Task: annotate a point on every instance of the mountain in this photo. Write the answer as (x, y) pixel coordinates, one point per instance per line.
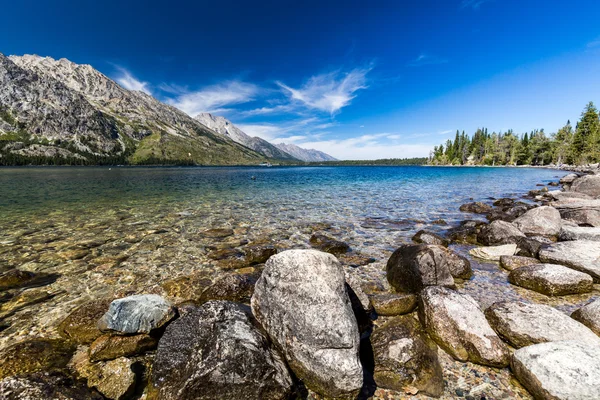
(308, 155)
(225, 127)
(56, 111)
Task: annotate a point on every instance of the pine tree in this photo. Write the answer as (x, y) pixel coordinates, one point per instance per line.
(585, 139)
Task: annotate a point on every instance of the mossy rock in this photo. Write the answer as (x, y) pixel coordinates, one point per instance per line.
(81, 325)
(35, 355)
(109, 347)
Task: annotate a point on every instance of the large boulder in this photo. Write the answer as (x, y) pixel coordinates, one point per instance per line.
(542, 221)
(582, 255)
(569, 178)
(588, 184)
(579, 233)
(458, 325)
(589, 315)
(551, 279)
(217, 352)
(583, 212)
(413, 267)
(493, 253)
(499, 232)
(566, 370)
(522, 324)
(302, 303)
(405, 358)
(139, 313)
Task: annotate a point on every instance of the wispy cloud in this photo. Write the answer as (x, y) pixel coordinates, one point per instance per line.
(329, 92)
(594, 43)
(474, 4)
(215, 98)
(297, 129)
(426, 59)
(129, 82)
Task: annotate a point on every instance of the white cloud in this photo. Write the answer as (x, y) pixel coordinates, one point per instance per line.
(368, 147)
(215, 98)
(329, 92)
(129, 82)
(426, 59)
(474, 4)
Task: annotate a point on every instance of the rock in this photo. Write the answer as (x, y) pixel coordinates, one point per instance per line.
(459, 266)
(406, 358)
(579, 233)
(551, 279)
(559, 370)
(356, 260)
(499, 232)
(504, 202)
(430, 238)
(560, 196)
(494, 253)
(41, 385)
(217, 352)
(302, 303)
(542, 221)
(583, 212)
(218, 233)
(35, 355)
(476, 208)
(528, 247)
(587, 184)
(393, 304)
(569, 178)
(513, 262)
(466, 232)
(582, 255)
(139, 313)
(458, 325)
(354, 285)
(189, 287)
(522, 324)
(232, 287)
(15, 278)
(81, 325)
(258, 254)
(508, 214)
(115, 379)
(413, 267)
(328, 244)
(589, 315)
(108, 347)
(223, 254)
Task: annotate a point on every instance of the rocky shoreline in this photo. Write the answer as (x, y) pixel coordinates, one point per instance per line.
(328, 322)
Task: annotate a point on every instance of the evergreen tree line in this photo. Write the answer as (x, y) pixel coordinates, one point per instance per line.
(575, 146)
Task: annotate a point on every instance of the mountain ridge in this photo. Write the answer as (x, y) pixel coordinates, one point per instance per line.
(307, 155)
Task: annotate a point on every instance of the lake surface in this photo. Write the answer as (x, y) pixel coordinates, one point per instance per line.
(105, 232)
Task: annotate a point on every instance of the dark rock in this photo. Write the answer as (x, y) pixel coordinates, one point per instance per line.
(108, 347)
(15, 278)
(328, 244)
(233, 287)
(406, 358)
(218, 233)
(466, 232)
(476, 208)
(35, 355)
(217, 352)
(258, 254)
(81, 325)
(504, 202)
(413, 267)
(393, 304)
(43, 385)
(528, 247)
(430, 238)
(499, 232)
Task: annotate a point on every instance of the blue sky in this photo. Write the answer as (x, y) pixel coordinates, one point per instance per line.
(357, 79)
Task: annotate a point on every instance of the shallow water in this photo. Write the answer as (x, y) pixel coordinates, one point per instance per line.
(96, 232)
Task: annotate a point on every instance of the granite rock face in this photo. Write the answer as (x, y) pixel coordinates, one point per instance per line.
(587, 184)
(522, 324)
(589, 315)
(579, 233)
(582, 255)
(140, 313)
(302, 302)
(583, 212)
(414, 267)
(499, 232)
(458, 325)
(406, 358)
(551, 279)
(217, 352)
(559, 370)
(542, 221)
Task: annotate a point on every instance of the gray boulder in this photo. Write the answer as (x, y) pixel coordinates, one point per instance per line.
(587, 184)
(499, 232)
(458, 325)
(522, 324)
(582, 255)
(569, 178)
(579, 233)
(583, 212)
(413, 267)
(425, 237)
(567, 370)
(513, 262)
(542, 221)
(406, 358)
(589, 315)
(302, 303)
(551, 279)
(139, 313)
(217, 352)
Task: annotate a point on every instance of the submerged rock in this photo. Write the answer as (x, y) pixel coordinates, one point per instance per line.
(589, 315)
(494, 253)
(425, 237)
(513, 262)
(499, 232)
(466, 232)
(414, 267)
(218, 233)
(328, 244)
(394, 304)
(458, 325)
(302, 303)
(522, 324)
(476, 208)
(258, 254)
(405, 358)
(35, 355)
(81, 326)
(551, 279)
(559, 370)
(582, 255)
(43, 385)
(542, 221)
(140, 313)
(216, 352)
(15, 278)
(108, 347)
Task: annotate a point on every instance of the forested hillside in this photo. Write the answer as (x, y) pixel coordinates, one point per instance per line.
(569, 145)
